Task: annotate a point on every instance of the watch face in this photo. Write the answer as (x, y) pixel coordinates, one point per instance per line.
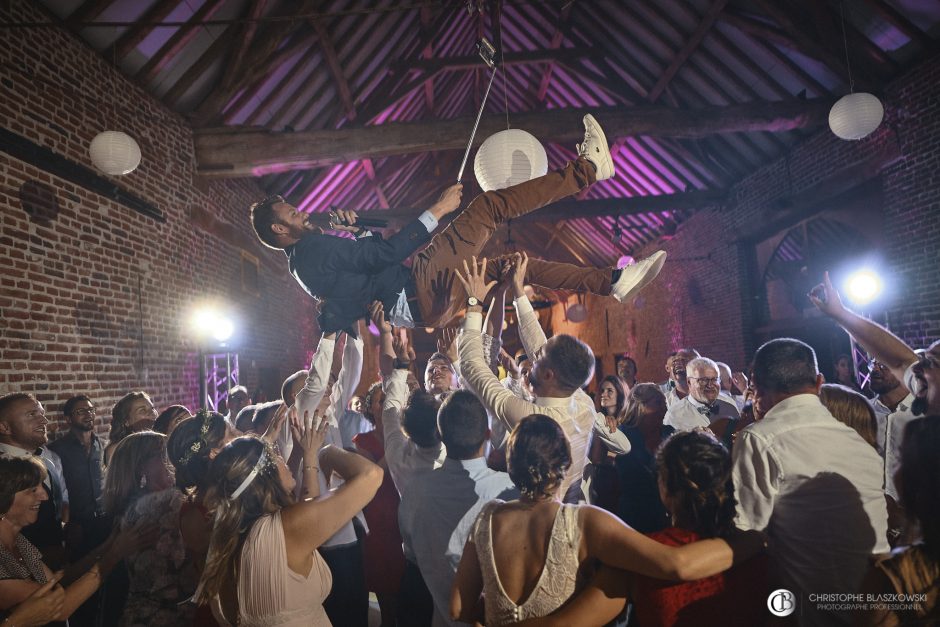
(472, 302)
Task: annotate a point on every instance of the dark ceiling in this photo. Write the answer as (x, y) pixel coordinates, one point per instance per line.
(695, 94)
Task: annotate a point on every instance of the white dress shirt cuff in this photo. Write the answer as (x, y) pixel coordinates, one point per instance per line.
(428, 220)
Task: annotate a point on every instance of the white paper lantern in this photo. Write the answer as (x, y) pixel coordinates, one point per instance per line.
(855, 116)
(508, 158)
(114, 153)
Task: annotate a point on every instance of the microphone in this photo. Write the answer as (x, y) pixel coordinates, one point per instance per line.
(376, 223)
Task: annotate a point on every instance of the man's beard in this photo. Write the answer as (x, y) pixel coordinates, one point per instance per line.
(919, 406)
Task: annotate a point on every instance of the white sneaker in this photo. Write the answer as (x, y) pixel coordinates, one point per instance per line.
(636, 277)
(595, 148)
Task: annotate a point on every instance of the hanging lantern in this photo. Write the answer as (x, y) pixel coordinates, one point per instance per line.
(855, 115)
(114, 153)
(508, 158)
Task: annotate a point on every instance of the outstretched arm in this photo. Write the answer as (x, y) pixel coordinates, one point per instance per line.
(499, 401)
(612, 542)
(875, 339)
(466, 601)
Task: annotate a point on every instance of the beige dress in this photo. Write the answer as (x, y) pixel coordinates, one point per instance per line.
(558, 581)
(269, 592)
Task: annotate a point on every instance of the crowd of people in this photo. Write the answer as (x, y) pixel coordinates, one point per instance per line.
(498, 491)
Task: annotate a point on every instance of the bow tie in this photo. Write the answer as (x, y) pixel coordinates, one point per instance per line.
(707, 410)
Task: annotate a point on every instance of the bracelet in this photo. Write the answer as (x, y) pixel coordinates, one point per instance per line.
(401, 364)
(311, 468)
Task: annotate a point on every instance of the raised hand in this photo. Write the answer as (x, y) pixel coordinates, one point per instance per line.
(508, 362)
(310, 433)
(448, 202)
(447, 344)
(377, 313)
(517, 272)
(474, 280)
(404, 352)
(276, 424)
(826, 298)
(739, 380)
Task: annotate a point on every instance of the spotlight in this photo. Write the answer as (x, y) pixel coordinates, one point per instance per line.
(863, 286)
(209, 323)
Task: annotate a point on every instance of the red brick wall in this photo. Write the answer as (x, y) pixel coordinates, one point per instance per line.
(96, 299)
(706, 303)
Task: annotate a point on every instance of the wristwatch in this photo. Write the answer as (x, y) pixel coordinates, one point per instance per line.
(472, 302)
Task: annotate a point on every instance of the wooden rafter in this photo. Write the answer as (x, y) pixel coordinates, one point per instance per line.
(888, 13)
(275, 94)
(197, 69)
(336, 68)
(830, 32)
(704, 25)
(558, 37)
(246, 35)
(758, 29)
(240, 152)
(136, 34)
(428, 53)
(809, 45)
(177, 42)
(258, 61)
(87, 11)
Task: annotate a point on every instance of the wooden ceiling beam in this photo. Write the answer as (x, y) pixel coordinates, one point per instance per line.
(758, 29)
(591, 208)
(258, 61)
(474, 62)
(175, 44)
(232, 152)
(704, 25)
(336, 69)
(809, 45)
(829, 27)
(87, 11)
(218, 48)
(889, 14)
(132, 37)
(242, 45)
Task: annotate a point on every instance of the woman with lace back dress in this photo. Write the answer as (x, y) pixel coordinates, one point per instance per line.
(529, 556)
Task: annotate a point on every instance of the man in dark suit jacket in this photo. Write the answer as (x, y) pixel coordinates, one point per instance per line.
(347, 275)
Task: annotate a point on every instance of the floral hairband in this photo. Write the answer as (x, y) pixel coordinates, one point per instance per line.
(196, 446)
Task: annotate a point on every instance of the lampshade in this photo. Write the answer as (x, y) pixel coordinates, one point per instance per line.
(114, 152)
(508, 158)
(855, 115)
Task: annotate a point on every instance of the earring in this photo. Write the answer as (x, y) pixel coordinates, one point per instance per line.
(143, 481)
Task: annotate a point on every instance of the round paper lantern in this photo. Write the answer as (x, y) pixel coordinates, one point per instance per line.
(508, 158)
(855, 116)
(114, 152)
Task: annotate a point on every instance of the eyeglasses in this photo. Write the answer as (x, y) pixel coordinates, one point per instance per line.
(707, 380)
(88, 411)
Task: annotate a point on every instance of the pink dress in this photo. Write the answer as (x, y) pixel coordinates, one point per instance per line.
(269, 592)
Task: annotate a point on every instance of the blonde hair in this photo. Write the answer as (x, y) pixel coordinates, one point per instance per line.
(641, 395)
(122, 481)
(850, 408)
(234, 517)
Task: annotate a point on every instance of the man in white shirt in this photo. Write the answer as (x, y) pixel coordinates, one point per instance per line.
(561, 366)
(237, 400)
(438, 508)
(23, 434)
(703, 405)
(732, 386)
(812, 483)
(348, 601)
(892, 397)
(676, 386)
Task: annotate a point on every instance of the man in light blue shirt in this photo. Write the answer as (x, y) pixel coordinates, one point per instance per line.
(438, 507)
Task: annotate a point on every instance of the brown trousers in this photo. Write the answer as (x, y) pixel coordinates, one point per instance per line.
(441, 297)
